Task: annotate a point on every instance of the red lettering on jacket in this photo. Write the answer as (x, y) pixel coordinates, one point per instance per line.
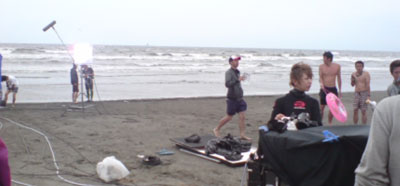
(299, 105)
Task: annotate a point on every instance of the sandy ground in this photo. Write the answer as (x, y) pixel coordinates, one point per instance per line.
(125, 129)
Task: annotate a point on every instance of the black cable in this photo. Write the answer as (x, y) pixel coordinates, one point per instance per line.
(98, 95)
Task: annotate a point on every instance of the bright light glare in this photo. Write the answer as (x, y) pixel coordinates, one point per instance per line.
(83, 53)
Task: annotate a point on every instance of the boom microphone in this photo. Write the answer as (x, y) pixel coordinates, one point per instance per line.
(49, 26)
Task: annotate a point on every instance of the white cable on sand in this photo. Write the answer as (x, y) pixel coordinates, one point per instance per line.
(21, 183)
(244, 175)
(15, 181)
(52, 153)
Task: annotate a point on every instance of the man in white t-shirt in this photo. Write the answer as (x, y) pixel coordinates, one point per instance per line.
(12, 86)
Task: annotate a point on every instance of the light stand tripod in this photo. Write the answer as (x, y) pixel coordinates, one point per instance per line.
(51, 25)
(82, 93)
(84, 75)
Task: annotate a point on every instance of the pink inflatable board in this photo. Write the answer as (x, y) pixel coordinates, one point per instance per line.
(336, 107)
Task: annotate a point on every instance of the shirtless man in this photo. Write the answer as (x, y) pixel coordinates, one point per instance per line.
(361, 81)
(327, 80)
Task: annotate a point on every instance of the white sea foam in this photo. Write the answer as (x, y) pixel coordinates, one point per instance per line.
(138, 72)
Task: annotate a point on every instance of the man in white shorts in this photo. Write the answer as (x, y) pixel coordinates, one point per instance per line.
(360, 79)
(12, 86)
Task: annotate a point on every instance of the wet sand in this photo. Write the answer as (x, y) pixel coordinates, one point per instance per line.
(125, 129)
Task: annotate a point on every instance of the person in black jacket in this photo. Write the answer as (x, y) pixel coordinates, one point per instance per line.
(75, 84)
(235, 102)
(88, 74)
(297, 101)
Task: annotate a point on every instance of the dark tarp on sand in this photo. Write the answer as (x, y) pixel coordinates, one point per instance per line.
(300, 158)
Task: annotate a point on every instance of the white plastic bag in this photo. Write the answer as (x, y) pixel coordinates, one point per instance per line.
(111, 169)
(372, 103)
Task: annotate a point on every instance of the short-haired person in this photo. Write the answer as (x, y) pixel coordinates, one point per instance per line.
(329, 72)
(394, 88)
(235, 102)
(75, 84)
(380, 162)
(297, 101)
(12, 86)
(360, 80)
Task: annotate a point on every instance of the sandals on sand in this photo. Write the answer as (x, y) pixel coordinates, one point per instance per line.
(151, 160)
(194, 138)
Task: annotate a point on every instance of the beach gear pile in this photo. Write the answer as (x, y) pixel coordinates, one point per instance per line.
(229, 147)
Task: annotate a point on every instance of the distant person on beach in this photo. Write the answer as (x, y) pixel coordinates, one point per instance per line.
(12, 86)
(297, 101)
(329, 72)
(380, 162)
(88, 74)
(235, 102)
(75, 84)
(360, 80)
(394, 88)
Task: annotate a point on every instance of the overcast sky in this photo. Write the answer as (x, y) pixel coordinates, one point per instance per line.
(296, 24)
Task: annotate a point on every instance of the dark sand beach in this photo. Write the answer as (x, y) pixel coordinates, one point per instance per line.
(125, 129)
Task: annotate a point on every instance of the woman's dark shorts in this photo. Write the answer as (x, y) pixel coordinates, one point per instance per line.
(235, 106)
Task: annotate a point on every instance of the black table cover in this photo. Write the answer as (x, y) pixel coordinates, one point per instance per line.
(301, 158)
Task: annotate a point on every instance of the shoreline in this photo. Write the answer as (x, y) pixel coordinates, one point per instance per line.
(173, 98)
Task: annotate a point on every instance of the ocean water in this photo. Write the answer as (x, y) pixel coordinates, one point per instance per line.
(149, 72)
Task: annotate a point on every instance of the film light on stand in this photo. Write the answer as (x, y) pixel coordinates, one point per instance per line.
(83, 53)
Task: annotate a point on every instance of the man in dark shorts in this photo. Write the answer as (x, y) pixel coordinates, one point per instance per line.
(75, 84)
(235, 102)
(322, 94)
(329, 73)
